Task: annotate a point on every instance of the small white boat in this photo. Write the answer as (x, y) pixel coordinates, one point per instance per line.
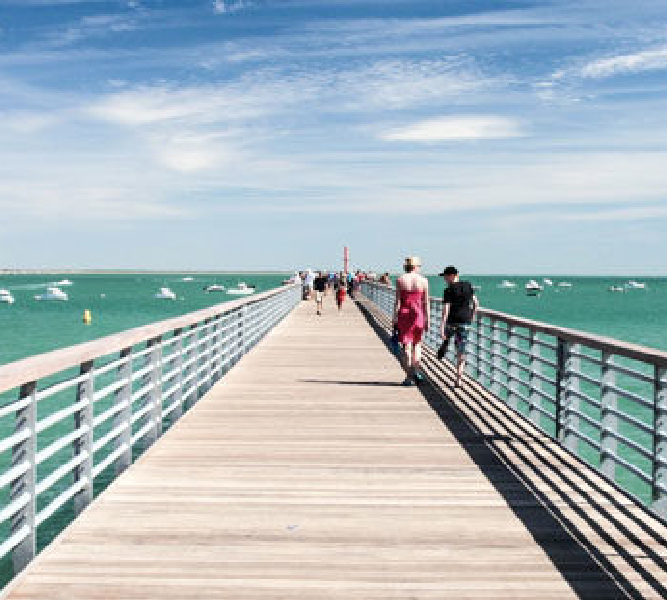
(506, 284)
(165, 294)
(6, 297)
(547, 281)
(242, 289)
(616, 288)
(533, 288)
(636, 285)
(63, 282)
(564, 284)
(214, 288)
(53, 293)
(187, 279)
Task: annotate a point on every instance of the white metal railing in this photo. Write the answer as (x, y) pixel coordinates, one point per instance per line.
(603, 399)
(82, 414)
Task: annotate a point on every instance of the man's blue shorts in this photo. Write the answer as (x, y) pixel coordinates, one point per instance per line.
(460, 332)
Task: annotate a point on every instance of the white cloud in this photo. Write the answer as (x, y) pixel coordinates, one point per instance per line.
(646, 60)
(229, 6)
(457, 129)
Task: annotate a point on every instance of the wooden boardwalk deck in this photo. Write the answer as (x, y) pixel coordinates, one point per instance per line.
(309, 473)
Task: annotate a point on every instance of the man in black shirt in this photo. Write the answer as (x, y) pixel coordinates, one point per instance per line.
(459, 305)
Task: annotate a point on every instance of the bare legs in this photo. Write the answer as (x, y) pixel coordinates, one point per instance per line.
(410, 361)
(460, 365)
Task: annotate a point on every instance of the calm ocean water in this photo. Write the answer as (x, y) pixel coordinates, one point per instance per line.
(29, 327)
(120, 302)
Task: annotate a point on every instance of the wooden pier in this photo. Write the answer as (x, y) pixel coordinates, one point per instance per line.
(309, 472)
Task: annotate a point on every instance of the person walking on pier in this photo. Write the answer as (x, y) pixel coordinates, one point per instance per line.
(340, 290)
(459, 305)
(320, 284)
(411, 317)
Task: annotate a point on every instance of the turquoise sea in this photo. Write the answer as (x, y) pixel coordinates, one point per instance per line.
(122, 301)
(119, 302)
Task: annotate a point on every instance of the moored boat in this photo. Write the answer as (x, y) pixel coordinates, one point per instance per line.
(53, 293)
(165, 294)
(6, 297)
(242, 289)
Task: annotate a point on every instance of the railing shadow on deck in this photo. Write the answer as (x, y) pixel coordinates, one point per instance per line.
(588, 570)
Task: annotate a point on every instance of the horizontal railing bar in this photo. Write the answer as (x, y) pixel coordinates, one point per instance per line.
(632, 420)
(630, 467)
(142, 412)
(582, 396)
(114, 364)
(138, 374)
(60, 501)
(580, 375)
(16, 505)
(113, 457)
(111, 435)
(112, 387)
(60, 472)
(582, 415)
(60, 386)
(142, 432)
(110, 412)
(141, 392)
(61, 414)
(59, 444)
(582, 436)
(542, 393)
(14, 540)
(630, 396)
(631, 372)
(14, 473)
(15, 406)
(631, 444)
(17, 438)
(591, 359)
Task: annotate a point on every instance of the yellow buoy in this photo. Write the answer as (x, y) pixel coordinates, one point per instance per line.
(87, 317)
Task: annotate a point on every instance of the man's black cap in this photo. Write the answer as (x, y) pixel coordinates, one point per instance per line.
(450, 270)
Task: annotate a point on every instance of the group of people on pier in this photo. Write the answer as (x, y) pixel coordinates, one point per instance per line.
(411, 314)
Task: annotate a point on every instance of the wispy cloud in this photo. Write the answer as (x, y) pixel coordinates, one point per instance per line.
(457, 129)
(227, 7)
(646, 60)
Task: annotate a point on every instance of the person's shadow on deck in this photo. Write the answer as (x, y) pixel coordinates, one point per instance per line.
(588, 570)
(355, 383)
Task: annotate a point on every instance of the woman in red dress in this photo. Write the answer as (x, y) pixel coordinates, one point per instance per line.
(411, 316)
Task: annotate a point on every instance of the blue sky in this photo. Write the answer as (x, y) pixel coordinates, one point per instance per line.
(505, 137)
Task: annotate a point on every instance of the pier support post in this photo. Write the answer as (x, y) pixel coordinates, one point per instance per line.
(660, 442)
(609, 420)
(83, 445)
(23, 487)
(124, 416)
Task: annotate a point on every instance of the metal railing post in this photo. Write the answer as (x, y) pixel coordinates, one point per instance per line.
(534, 383)
(609, 420)
(659, 486)
(154, 358)
(209, 327)
(513, 370)
(495, 358)
(83, 445)
(23, 521)
(570, 401)
(124, 417)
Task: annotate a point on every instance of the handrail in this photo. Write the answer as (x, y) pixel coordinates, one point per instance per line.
(36, 367)
(613, 415)
(112, 398)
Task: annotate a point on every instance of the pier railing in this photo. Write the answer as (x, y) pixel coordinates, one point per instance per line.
(603, 399)
(73, 419)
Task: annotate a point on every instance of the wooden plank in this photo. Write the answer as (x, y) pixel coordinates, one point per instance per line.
(307, 472)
